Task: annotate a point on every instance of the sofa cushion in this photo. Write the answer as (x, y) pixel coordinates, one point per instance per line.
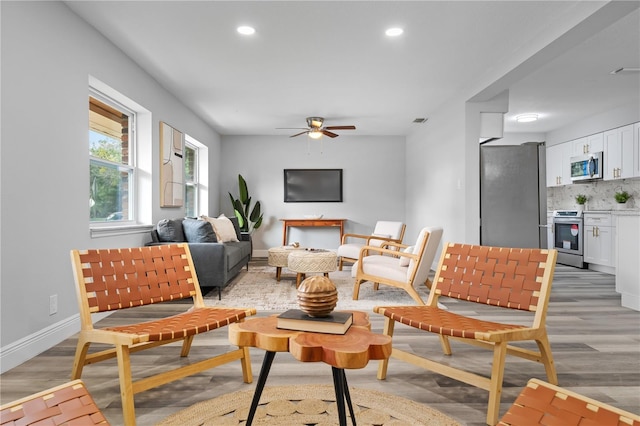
(404, 261)
(198, 231)
(170, 231)
(223, 227)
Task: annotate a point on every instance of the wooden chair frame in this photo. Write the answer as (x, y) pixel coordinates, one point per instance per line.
(501, 277)
(108, 280)
(367, 242)
(396, 250)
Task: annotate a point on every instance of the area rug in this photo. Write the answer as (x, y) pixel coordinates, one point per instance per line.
(308, 405)
(259, 289)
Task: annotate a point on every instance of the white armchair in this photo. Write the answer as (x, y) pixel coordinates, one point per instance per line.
(407, 267)
(384, 231)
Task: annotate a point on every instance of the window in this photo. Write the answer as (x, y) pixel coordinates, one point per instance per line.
(111, 161)
(191, 178)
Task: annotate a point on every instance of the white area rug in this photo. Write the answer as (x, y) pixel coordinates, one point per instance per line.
(259, 289)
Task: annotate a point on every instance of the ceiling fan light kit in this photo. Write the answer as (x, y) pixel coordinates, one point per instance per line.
(316, 130)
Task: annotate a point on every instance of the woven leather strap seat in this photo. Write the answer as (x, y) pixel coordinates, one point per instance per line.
(509, 278)
(68, 404)
(108, 280)
(542, 403)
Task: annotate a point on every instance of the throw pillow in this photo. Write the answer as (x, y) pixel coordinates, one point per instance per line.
(170, 231)
(198, 231)
(223, 227)
(404, 261)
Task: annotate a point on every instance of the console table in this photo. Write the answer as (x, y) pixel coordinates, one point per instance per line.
(286, 223)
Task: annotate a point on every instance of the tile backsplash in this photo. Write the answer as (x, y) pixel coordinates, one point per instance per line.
(599, 194)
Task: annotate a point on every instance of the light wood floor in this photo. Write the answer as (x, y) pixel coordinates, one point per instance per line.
(595, 342)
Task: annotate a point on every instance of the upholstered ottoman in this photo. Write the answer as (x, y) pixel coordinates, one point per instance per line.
(308, 261)
(278, 257)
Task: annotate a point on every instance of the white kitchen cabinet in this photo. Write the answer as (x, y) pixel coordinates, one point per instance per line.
(588, 144)
(558, 166)
(628, 259)
(619, 153)
(599, 238)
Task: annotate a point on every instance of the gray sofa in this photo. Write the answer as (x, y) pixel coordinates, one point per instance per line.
(216, 263)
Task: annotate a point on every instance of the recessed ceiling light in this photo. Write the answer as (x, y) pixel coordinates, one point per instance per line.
(246, 30)
(526, 118)
(394, 32)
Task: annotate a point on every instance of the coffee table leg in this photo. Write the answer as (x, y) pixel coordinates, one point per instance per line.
(342, 392)
(262, 379)
(348, 396)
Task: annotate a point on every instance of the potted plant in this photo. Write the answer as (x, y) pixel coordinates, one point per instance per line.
(249, 218)
(581, 199)
(621, 197)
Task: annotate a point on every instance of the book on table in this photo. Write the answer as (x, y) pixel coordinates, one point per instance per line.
(334, 323)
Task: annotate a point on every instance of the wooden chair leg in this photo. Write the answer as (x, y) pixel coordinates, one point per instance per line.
(79, 360)
(186, 345)
(446, 345)
(376, 286)
(245, 361)
(414, 294)
(356, 289)
(547, 359)
(126, 385)
(497, 375)
(340, 264)
(389, 325)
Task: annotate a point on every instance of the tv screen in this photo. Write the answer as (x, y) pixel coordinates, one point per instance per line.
(312, 185)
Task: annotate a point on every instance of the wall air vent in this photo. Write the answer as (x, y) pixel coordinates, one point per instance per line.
(626, 70)
(420, 120)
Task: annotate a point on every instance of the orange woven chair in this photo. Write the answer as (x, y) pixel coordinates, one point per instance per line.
(108, 280)
(541, 403)
(506, 278)
(69, 404)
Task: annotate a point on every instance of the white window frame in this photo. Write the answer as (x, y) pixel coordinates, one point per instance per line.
(195, 183)
(139, 148)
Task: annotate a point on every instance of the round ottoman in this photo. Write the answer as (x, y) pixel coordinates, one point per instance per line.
(308, 261)
(278, 257)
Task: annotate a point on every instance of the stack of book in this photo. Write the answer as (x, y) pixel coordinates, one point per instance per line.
(334, 323)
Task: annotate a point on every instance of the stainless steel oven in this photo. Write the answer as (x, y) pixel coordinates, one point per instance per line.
(568, 237)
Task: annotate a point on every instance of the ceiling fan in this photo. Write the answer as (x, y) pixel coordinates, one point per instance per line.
(315, 128)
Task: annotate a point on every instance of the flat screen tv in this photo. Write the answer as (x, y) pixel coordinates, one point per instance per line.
(312, 185)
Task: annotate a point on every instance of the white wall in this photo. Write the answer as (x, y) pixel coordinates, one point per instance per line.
(373, 175)
(48, 54)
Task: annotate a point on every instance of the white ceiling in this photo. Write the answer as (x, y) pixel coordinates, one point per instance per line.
(332, 59)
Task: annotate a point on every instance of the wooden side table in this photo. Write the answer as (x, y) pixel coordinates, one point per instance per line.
(353, 350)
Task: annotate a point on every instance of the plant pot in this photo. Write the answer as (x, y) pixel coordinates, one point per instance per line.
(621, 206)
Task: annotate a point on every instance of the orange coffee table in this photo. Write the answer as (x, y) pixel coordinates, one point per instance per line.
(351, 350)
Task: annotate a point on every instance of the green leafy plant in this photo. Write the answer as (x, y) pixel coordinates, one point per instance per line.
(581, 198)
(249, 218)
(622, 196)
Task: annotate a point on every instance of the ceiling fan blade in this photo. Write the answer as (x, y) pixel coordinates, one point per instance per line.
(341, 127)
(298, 134)
(291, 128)
(328, 133)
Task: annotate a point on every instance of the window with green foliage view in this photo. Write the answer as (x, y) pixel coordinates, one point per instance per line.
(111, 169)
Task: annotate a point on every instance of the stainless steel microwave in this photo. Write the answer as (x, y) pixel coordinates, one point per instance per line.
(587, 167)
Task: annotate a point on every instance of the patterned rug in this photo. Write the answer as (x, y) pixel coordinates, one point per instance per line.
(308, 405)
(259, 289)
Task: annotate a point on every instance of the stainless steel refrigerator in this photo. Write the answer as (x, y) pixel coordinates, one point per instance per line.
(513, 195)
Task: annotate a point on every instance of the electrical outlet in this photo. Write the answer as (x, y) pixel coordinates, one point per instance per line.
(53, 304)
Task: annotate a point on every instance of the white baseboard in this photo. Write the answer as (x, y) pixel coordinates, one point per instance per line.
(22, 350)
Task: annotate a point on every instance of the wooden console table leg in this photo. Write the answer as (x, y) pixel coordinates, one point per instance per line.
(262, 379)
